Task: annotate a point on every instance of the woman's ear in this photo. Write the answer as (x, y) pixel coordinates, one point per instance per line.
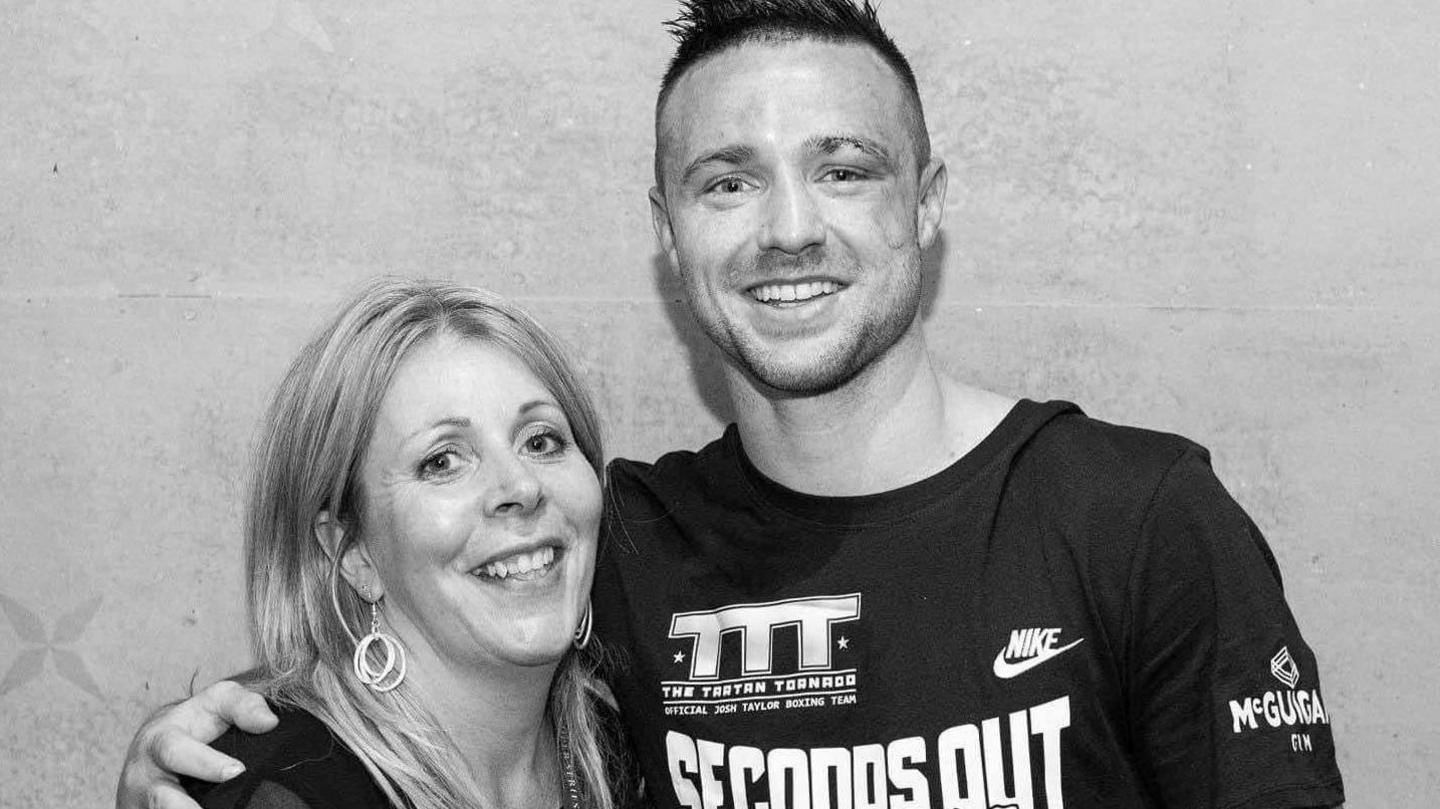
(355, 563)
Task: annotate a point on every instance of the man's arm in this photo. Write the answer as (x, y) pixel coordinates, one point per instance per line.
(1213, 640)
(175, 742)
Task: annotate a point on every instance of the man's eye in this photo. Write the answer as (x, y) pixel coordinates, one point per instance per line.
(729, 185)
(844, 175)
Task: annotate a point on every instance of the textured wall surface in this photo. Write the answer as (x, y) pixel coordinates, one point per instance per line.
(1215, 218)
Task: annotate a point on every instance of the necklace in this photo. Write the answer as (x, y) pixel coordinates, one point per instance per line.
(571, 780)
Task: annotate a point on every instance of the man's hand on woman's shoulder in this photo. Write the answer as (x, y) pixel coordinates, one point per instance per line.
(175, 742)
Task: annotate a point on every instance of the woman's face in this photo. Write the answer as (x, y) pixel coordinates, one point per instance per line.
(481, 513)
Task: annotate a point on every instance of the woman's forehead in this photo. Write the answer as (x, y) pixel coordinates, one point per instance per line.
(471, 377)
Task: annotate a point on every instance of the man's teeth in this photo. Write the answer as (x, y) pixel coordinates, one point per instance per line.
(793, 292)
(520, 565)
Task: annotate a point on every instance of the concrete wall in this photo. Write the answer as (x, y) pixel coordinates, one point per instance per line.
(1213, 218)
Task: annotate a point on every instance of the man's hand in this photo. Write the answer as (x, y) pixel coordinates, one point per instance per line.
(175, 742)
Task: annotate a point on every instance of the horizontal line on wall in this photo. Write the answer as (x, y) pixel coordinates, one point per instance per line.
(166, 295)
(310, 295)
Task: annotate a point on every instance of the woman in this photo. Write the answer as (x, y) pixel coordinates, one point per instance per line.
(420, 543)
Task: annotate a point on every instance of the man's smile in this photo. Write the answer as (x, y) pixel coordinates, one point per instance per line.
(793, 292)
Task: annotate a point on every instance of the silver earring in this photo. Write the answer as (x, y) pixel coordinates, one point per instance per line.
(392, 670)
(582, 632)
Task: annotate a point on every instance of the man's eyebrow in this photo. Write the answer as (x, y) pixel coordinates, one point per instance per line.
(830, 144)
(734, 155)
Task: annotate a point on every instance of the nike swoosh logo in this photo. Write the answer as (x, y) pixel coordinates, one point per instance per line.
(1004, 669)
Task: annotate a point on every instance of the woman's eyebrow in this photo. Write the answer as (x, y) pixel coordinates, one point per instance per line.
(537, 404)
(449, 421)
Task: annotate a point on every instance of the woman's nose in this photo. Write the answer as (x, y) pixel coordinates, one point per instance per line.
(513, 488)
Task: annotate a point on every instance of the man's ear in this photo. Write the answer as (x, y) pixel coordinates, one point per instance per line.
(930, 208)
(660, 220)
(355, 562)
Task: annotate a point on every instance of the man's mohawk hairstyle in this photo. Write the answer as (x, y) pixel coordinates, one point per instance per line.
(704, 27)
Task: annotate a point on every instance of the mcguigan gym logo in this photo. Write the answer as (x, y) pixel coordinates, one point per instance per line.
(1289, 707)
(810, 631)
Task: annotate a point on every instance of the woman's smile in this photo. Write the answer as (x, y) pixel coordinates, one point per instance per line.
(520, 566)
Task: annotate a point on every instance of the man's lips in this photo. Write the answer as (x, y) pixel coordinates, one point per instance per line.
(793, 291)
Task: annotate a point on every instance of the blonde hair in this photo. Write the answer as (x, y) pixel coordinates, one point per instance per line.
(303, 622)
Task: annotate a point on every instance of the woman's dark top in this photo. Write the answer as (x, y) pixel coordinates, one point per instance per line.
(302, 765)
(298, 765)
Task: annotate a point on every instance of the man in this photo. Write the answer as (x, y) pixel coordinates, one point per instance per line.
(882, 587)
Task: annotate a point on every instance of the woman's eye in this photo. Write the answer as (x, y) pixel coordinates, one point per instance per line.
(439, 464)
(545, 443)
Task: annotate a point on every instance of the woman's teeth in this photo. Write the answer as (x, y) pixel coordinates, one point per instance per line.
(521, 566)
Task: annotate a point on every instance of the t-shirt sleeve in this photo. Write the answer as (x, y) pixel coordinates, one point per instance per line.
(1225, 704)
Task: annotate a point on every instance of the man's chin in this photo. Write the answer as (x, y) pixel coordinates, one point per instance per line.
(799, 377)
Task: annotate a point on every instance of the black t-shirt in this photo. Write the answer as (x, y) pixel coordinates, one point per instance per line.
(1072, 614)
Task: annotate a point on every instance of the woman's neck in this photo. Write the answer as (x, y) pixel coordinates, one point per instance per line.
(502, 729)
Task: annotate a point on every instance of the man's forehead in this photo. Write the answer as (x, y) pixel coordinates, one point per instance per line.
(705, 82)
(850, 82)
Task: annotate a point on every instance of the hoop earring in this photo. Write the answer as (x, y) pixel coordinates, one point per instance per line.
(392, 671)
(582, 632)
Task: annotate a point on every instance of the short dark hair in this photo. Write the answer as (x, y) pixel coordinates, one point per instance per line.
(706, 27)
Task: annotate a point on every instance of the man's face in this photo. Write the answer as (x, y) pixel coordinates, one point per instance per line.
(793, 210)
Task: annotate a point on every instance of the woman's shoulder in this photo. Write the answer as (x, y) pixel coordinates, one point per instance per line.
(300, 764)
(622, 770)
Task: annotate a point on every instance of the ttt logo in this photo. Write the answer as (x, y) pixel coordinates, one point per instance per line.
(756, 624)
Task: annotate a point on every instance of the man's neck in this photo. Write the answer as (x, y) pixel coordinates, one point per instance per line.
(897, 422)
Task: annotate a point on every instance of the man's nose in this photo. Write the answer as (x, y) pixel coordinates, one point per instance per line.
(513, 488)
(793, 221)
